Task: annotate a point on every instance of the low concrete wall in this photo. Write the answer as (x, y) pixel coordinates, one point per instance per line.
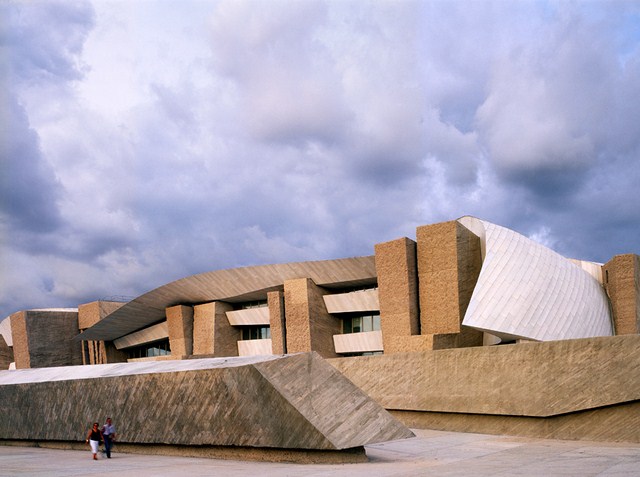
(574, 389)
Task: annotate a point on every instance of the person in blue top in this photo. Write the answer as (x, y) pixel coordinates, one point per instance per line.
(109, 433)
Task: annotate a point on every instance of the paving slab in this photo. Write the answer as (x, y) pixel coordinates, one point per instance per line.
(433, 453)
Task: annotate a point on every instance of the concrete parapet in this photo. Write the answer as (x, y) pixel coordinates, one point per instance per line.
(291, 402)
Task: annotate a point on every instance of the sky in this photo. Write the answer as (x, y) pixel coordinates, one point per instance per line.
(142, 142)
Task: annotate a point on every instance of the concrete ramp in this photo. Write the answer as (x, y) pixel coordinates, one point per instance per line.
(284, 402)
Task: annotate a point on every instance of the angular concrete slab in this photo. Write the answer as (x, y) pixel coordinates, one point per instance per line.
(287, 402)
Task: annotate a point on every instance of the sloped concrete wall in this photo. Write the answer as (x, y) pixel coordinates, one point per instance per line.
(292, 402)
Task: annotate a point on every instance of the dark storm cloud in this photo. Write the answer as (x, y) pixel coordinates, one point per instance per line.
(167, 140)
(41, 40)
(32, 53)
(29, 190)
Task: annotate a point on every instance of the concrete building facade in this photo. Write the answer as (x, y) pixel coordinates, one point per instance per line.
(461, 283)
(420, 326)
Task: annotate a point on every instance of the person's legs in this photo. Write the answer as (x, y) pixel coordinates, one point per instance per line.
(107, 446)
(94, 448)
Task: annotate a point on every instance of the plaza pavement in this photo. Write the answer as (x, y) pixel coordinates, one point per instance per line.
(430, 453)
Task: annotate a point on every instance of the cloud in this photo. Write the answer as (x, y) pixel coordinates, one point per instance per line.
(166, 141)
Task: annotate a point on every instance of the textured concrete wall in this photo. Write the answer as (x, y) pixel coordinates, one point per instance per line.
(449, 261)
(573, 389)
(397, 293)
(90, 313)
(309, 325)
(618, 423)
(43, 338)
(212, 333)
(275, 300)
(6, 354)
(293, 402)
(180, 325)
(622, 283)
(530, 379)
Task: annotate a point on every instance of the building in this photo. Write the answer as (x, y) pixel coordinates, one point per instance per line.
(461, 283)
(419, 326)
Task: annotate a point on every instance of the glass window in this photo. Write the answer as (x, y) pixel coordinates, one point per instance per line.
(150, 350)
(362, 323)
(256, 332)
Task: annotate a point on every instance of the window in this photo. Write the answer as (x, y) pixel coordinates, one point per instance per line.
(361, 323)
(365, 353)
(149, 350)
(253, 304)
(256, 332)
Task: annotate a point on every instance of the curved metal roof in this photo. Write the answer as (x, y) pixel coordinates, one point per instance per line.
(232, 285)
(526, 290)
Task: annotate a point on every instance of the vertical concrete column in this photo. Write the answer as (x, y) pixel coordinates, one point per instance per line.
(622, 283)
(309, 325)
(449, 260)
(212, 333)
(20, 340)
(397, 289)
(277, 323)
(180, 325)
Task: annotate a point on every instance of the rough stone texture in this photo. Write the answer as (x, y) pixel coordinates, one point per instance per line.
(309, 325)
(212, 333)
(291, 402)
(622, 283)
(90, 313)
(6, 354)
(44, 338)
(405, 344)
(530, 379)
(20, 340)
(397, 293)
(180, 325)
(618, 423)
(449, 262)
(277, 321)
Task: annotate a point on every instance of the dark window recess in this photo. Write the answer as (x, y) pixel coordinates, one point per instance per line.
(256, 332)
(365, 353)
(149, 350)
